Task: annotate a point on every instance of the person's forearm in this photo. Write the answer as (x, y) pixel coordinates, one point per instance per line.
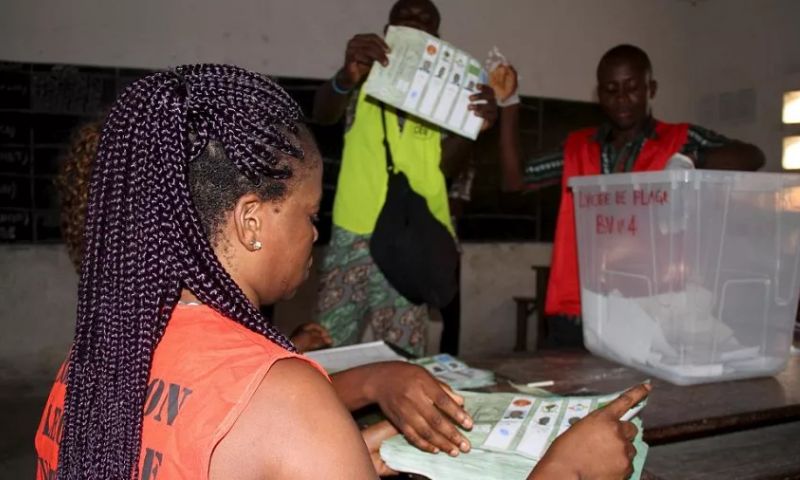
(510, 149)
(733, 156)
(355, 387)
(330, 105)
(456, 152)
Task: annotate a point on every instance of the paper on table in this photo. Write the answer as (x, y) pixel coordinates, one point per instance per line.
(335, 360)
(456, 373)
(511, 433)
(428, 78)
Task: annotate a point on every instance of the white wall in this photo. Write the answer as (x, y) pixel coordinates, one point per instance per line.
(295, 38)
(491, 275)
(700, 49)
(37, 312)
(555, 43)
(740, 45)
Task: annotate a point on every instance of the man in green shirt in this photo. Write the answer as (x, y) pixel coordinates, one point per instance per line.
(356, 302)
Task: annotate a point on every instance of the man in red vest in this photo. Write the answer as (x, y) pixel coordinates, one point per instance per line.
(630, 140)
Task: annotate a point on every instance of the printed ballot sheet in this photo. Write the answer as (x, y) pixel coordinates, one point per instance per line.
(511, 433)
(428, 78)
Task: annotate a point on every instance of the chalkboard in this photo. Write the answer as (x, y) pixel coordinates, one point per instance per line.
(41, 105)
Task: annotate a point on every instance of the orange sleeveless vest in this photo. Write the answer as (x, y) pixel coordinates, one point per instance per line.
(582, 157)
(204, 372)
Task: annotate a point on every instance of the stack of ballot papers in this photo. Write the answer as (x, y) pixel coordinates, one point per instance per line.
(444, 367)
(511, 433)
(456, 373)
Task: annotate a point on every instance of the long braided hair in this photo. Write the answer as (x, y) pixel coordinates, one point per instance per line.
(146, 240)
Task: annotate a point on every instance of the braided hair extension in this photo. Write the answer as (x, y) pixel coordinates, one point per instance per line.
(146, 239)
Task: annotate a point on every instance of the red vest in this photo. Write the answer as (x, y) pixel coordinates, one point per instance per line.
(582, 157)
(205, 370)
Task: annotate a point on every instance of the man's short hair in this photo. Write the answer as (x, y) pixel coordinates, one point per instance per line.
(627, 53)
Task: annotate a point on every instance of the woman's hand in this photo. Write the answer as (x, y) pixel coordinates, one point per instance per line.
(421, 407)
(311, 336)
(374, 435)
(598, 447)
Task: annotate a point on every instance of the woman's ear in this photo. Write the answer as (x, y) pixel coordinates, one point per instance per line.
(247, 221)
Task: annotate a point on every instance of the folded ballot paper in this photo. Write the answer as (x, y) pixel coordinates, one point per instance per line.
(428, 78)
(511, 433)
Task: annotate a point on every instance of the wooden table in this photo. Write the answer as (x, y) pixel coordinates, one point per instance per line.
(740, 412)
(762, 453)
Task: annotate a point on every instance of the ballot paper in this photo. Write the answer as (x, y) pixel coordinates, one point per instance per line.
(456, 373)
(675, 333)
(337, 359)
(510, 435)
(428, 78)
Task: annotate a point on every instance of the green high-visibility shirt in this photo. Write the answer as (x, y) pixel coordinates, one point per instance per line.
(416, 151)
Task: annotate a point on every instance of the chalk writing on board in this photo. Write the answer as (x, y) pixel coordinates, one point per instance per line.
(14, 90)
(8, 190)
(14, 225)
(8, 132)
(14, 160)
(69, 89)
(15, 192)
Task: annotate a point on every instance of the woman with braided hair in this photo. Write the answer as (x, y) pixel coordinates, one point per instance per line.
(421, 407)
(201, 207)
(72, 184)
